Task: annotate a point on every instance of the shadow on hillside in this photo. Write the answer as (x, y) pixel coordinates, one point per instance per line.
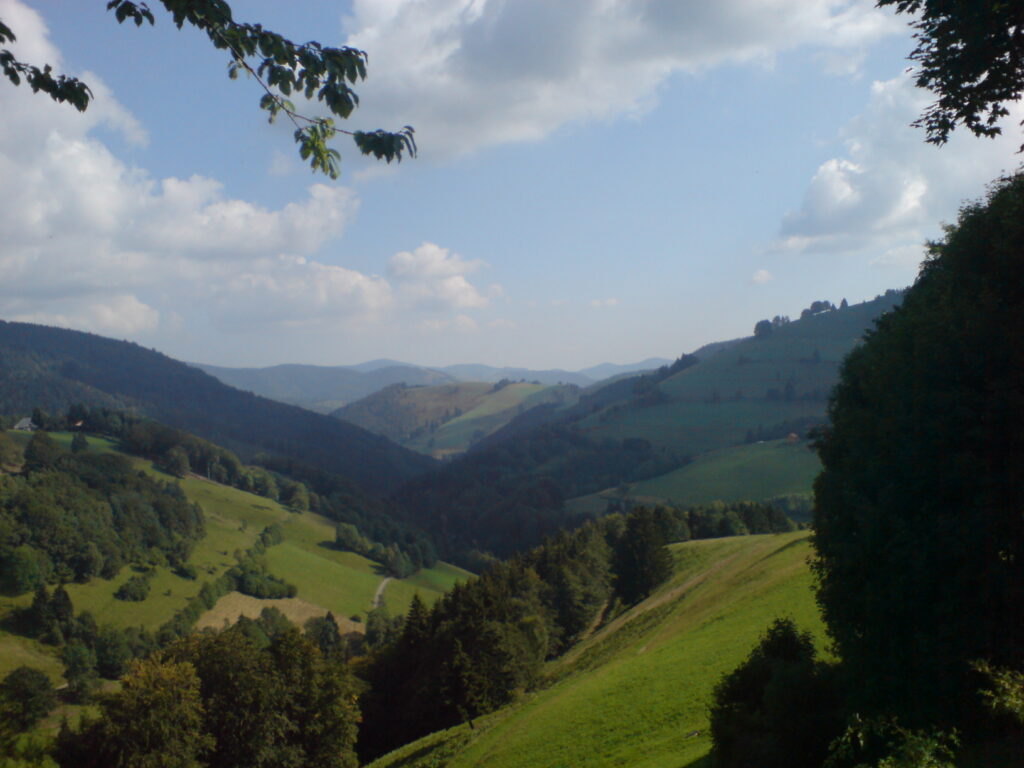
(783, 548)
(378, 569)
(700, 762)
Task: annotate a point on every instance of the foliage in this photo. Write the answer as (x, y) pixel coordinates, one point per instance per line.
(641, 561)
(884, 743)
(80, 671)
(155, 720)
(485, 640)
(75, 516)
(1005, 691)
(26, 696)
(779, 708)
(135, 590)
(320, 74)
(66, 368)
(969, 54)
(222, 699)
(917, 526)
(60, 88)
(507, 498)
(79, 443)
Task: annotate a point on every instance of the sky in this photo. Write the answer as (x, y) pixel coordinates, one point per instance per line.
(598, 180)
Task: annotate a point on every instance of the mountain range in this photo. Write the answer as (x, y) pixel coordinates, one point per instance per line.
(327, 388)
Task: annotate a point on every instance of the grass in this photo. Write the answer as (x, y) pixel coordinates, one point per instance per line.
(695, 427)
(326, 578)
(493, 411)
(634, 692)
(713, 404)
(743, 473)
(234, 605)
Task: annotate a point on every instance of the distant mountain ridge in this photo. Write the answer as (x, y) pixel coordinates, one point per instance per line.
(54, 368)
(326, 388)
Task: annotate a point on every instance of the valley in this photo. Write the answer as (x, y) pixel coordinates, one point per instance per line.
(636, 691)
(327, 579)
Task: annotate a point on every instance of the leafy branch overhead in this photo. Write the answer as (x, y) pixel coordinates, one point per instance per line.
(970, 53)
(281, 67)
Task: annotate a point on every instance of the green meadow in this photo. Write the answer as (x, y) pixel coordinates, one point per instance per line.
(342, 582)
(493, 411)
(636, 692)
(742, 473)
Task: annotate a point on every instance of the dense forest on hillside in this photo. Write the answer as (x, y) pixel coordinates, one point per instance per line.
(75, 516)
(71, 367)
(382, 535)
(506, 499)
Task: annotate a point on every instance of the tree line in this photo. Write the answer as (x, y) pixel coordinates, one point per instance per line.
(487, 638)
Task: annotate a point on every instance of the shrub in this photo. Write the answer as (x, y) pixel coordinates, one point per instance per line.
(779, 708)
(135, 590)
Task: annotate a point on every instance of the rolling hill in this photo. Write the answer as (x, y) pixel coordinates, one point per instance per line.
(445, 420)
(775, 384)
(324, 388)
(327, 579)
(755, 472)
(636, 691)
(55, 368)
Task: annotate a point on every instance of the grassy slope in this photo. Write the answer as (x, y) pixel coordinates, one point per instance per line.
(632, 693)
(743, 473)
(693, 423)
(493, 411)
(406, 415)
(342, 582)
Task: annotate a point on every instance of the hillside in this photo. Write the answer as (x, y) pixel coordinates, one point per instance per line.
(754, 472)
(635, 693)
(445, 420)
(55, 368)
(326, 578)
(323, 388)
(752, 387)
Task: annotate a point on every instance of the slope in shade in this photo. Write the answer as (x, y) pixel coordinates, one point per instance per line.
(72, 366)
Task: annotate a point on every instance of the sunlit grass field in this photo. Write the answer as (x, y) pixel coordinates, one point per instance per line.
(636, 693)
(342, 582)
(743, 473)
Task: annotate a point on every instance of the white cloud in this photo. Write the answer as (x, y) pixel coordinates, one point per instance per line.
(890, 190)
(92, 243)
(432, 277)
(472, 73)
(604, 303)
(118, 314)
(761, 277)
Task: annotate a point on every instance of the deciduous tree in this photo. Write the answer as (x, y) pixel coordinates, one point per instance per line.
(970, 53)
(282, 68)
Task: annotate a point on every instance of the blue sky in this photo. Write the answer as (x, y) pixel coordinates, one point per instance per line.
(599, 180)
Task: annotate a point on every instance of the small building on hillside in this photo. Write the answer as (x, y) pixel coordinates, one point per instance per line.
(26, 425)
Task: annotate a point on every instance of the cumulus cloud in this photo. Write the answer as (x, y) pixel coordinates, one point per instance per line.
(93, 243)
(889, 190)
(434, 278)
(761, 277)
(472, 73)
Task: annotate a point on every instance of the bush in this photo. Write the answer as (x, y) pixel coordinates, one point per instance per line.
(187, 571)
(27, 696)
(135, 590)
(779, 709)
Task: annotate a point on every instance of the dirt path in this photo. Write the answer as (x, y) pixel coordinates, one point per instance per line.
(379, 595)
